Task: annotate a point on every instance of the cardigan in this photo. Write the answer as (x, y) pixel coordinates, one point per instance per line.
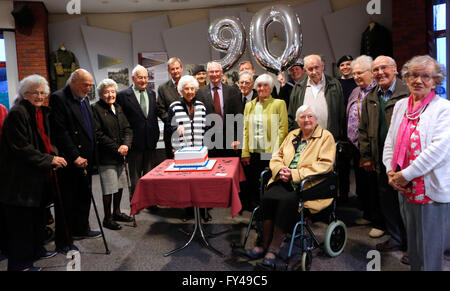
(433, 163)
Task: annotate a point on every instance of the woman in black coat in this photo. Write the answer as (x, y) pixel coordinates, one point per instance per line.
(114, 136)
(27, 158)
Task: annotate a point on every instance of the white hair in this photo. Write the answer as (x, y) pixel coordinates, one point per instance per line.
(184, 80)
(32, 81)
(308, 57)
(136, 69)
(105, 83)
(303, 108)
(265, 78)
(213, 63)
(364, 61)
(246, 72)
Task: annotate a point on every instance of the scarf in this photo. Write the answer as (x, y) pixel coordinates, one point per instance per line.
(410, 118)
(40, 126)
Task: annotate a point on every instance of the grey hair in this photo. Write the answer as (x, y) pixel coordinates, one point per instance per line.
(31, 81)
(213, 63)
(184, 80)
(303, 108)
(136, 69)
(265, 78)
(105, 83)
(305, 59)
(364, 61)
(174, 60)
(389, 58)
(425, 60)
(246, 72)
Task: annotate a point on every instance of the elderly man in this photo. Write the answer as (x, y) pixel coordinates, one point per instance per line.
(323, 93)
(246, 83)
(73, 129)
(138, 103)
(296, 73)
(167, 94)
(376, 112)
(221, 99)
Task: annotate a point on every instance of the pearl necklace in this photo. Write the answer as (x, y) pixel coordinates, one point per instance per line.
(412, 116)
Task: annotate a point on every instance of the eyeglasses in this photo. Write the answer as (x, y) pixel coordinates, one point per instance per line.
(303, 117)
(423, 77)
(37, 93)
(244, 82)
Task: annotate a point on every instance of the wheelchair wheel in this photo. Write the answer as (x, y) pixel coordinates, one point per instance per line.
(335, 238)
(306, 261)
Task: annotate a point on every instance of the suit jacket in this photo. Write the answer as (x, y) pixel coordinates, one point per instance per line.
(232, 104)
(255, 94)
(167, 94)
(70, 133)
(145, 128)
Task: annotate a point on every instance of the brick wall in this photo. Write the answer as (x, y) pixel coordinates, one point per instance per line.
(32, 43)
(409, 29)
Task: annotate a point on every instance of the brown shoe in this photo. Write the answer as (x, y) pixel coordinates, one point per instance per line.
(387, 246)
(405, 259)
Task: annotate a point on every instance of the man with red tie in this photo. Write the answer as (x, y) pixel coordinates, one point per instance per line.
(225, 101)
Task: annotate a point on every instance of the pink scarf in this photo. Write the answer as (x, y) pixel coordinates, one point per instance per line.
(400, 157)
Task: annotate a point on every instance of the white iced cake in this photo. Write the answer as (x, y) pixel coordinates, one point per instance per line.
(196, 156)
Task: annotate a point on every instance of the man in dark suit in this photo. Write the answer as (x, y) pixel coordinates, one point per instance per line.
(222, 100)
(139, 105)
(73, 130)
(246, 84)
(167, 94)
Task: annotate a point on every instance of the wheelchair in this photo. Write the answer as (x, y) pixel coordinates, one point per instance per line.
(336, 233)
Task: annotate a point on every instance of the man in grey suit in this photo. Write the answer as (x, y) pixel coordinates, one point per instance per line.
(167, 94)
(221, 99)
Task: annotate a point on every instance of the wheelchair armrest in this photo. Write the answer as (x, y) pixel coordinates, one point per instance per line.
(323, 190)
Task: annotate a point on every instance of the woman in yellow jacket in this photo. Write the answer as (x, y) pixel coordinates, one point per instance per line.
(309, 150)
(265, 127)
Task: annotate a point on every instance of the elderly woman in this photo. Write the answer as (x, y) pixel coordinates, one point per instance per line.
(114, 136)
(27, 159)
(417, 159)
(188, 121)
(365, 181)
(265, 127)
(308, 150)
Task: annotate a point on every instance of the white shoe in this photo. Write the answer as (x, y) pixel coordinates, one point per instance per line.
(362, 221)
(376, 233)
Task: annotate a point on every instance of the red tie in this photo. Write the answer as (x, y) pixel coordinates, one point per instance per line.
(217, 107)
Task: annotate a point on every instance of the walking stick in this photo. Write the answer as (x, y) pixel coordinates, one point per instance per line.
(61, 206)
(107, 251)
(125, 164)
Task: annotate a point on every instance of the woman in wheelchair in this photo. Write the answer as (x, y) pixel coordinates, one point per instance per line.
(309, 150)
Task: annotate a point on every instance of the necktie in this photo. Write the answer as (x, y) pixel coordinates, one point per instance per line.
(217, 107)
(142, 102)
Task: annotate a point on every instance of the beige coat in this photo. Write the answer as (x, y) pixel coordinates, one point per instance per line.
(317, 158)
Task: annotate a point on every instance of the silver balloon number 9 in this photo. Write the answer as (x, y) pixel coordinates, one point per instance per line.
(258, 40)
(233, 46)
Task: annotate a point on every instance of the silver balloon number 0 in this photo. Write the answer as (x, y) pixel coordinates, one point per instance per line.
(234, 46)
(258, 39)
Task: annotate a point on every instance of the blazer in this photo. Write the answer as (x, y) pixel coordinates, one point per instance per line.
(317, 158)
(112, 130)
(167, 94)
(70, 133)
(24, 161)
(145, 128)
(232, 104)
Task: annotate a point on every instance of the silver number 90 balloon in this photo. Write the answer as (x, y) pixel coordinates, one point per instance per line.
(233, 47)
(258, 40)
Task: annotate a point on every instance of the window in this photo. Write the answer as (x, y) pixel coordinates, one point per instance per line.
(3, 82)
(440, 41)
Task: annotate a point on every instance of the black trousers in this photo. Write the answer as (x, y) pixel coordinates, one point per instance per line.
(75, 186)
(343, 164)
(25, 234)
(2, 231)
(250, 195)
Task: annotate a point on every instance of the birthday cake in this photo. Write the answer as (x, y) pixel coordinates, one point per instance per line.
(196, 156)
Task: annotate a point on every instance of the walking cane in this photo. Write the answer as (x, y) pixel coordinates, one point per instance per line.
(125, 164)
(61, 207)
(107, 251)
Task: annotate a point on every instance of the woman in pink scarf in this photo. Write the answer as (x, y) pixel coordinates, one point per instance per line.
(417, 159)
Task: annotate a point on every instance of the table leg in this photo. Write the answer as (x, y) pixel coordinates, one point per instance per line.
(197, 227)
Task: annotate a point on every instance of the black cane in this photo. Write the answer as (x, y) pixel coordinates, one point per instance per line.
(96, 212)
(61, 206)
(125, 164)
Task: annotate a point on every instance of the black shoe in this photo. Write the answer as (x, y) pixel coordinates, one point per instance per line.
(111, 224)
(44, 254)
(89, 234)
(205, 215)
(254, 255)
(122, 217)
(66, 249)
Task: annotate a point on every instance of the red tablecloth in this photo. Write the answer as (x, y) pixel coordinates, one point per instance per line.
(205, 189)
